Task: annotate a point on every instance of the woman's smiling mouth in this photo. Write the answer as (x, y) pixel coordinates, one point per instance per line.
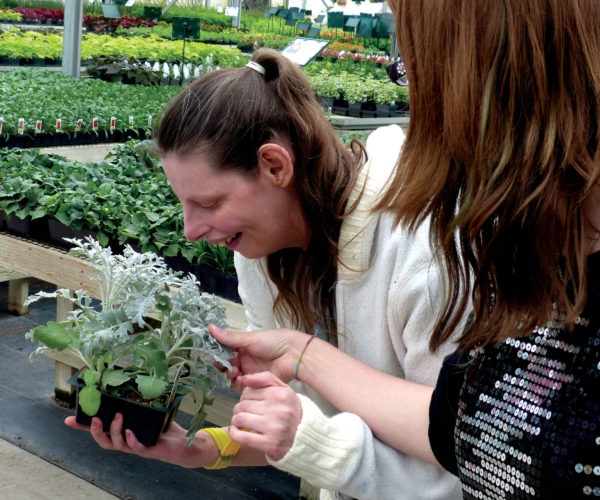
(228, 241)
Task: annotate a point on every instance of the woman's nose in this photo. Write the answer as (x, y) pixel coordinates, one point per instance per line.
(195, 226)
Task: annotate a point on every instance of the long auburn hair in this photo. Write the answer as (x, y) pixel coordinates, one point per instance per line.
(228, 115)
(502, 151)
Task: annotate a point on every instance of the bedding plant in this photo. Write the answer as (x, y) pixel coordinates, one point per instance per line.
(147, 340)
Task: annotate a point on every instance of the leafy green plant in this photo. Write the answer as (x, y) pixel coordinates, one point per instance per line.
(127, 200)
(9, 15)
(123, 351)
(356, 88)
(123, 69)
(61, 96)
(30, 44)
(154, 48)
(21, 194)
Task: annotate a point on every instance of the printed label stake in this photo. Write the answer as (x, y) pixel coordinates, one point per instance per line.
(95, 123)
(78, 125)
(113, 122)
(131, 121)
(21, 125)
(38, 126)
(1, 123)
(58, 124)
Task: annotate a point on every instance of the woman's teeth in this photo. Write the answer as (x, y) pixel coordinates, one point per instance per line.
(224, 242)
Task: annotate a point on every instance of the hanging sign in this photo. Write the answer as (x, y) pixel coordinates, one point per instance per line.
(232, 11)
(95, 123)
(21, 125)
(58, 125)
(113, 122)
(78, 125)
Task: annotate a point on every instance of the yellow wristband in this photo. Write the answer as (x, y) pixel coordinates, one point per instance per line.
(228, 448)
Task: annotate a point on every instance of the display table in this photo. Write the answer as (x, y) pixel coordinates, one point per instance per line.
(21, 258)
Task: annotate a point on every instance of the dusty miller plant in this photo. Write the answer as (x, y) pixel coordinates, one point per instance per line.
(148, 336)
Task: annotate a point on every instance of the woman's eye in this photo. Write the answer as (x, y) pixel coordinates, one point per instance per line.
(208, 205)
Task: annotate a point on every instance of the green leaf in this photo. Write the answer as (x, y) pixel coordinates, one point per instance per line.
(115, 378)
(89, 400)
(155, 359)
(171, 251)
(103, 238)
(90, 377)
(55, 336)
(150, 387)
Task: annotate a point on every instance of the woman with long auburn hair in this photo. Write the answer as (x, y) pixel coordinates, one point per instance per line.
(503, 157)
(258, 168)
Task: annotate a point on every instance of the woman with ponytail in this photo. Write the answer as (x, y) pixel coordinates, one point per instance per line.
(258, 168)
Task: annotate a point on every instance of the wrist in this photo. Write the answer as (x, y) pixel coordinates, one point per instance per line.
(302, 357)
(203, 451)
(227, 448)
(295, 343)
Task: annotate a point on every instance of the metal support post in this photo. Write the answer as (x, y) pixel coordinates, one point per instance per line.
(236, 21)
(71, 56)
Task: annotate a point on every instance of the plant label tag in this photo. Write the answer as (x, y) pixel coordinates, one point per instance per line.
(78, 125)
(21, 125)
(58, 124)
(149, 121)
(95, 123)
(1, 122)
(38, 126)
(131, 121)
(113, 122)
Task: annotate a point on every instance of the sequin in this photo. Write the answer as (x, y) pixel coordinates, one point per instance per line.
(529, 410)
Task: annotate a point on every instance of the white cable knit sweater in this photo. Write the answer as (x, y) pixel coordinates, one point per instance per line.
(386, 298)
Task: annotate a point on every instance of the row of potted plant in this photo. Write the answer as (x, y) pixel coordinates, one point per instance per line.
(88, 105)
(34, 100)
(125, 200)
(35, 48)
(356, 89)
(8, 15)
(94, 22)
(101, 24)
(32, 15)
(133, 71)
(15, 43)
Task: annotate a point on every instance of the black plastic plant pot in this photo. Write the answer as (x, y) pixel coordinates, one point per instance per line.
(180, 264)
(36, 229)
(217, 282)
(145, 421)
(20, 227)
(57, 231)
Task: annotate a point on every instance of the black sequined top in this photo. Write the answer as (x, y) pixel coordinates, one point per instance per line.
(522, 419)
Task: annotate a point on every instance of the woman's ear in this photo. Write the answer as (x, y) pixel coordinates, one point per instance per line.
(275, 163)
